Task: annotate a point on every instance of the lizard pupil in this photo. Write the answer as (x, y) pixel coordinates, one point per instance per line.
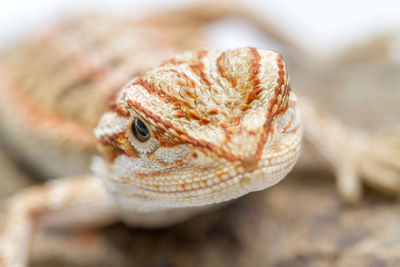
(140, 130)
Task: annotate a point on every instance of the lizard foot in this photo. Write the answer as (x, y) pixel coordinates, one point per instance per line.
(370, 158)
(354, 156)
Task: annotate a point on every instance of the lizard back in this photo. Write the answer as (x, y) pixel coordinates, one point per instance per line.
(56, 86)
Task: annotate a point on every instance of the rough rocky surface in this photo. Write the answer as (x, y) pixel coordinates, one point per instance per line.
(300, 222)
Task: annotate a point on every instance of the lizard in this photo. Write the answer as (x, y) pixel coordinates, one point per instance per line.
(161, 162)
(100, 46)
(321, 134)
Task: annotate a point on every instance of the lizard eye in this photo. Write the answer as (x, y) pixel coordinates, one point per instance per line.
(141, 137)
(140, 130)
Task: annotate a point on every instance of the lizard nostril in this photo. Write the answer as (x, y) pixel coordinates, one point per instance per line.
(250, 163)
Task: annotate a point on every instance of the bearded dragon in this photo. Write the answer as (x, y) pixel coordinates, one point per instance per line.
(203, 128)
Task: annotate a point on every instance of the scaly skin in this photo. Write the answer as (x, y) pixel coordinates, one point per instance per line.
(222, 124)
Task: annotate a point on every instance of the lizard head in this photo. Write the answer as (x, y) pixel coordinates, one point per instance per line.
(202, 128)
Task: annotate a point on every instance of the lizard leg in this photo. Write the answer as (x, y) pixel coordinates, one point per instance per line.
(354, 156)
(70, 202)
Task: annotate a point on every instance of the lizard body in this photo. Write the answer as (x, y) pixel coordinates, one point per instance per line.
(220, 125)
(162, 163)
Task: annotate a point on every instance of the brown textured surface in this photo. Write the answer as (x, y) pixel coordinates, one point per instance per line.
(300, 222)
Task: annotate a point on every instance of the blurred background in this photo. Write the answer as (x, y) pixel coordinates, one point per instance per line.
(344, 55)
(323, 27)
